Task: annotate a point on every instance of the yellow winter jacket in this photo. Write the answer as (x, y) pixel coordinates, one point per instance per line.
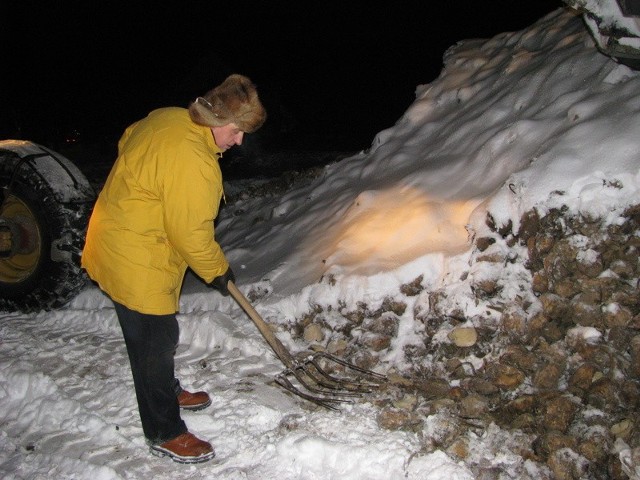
(154, 216)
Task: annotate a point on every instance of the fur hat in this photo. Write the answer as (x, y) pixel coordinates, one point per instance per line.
(233, 101)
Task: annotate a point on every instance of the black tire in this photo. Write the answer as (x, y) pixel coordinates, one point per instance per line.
(54, 199)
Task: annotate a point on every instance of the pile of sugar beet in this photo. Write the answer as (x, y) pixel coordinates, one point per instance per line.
(546, 392)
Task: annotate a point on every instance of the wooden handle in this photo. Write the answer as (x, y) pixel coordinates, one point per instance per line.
(275, 344)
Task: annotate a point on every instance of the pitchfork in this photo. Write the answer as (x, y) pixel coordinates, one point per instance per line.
(315, 383)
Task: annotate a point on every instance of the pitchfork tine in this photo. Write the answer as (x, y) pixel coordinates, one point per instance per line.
(364, 387)
(337, 386)
(329, 388)
(284, 382)
(310, 378)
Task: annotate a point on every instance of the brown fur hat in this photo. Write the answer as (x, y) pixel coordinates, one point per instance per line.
(233, 101)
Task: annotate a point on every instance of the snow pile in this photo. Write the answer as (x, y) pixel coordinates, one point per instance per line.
(532, 119)
(536, 118)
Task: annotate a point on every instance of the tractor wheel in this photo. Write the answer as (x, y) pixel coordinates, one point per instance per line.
(46, 206)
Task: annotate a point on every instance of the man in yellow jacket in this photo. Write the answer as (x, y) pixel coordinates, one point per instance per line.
(153, 219)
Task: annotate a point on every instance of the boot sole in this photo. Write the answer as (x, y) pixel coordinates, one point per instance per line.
(195, 408)
(161, 452)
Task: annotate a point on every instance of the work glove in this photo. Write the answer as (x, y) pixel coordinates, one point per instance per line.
(220, 283)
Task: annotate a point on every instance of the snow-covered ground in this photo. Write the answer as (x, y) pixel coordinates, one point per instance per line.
(531, 119)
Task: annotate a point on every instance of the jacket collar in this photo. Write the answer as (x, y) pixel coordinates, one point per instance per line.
(211, 143)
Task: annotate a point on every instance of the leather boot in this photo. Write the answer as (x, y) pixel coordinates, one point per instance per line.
(185, 448)
(193, 401)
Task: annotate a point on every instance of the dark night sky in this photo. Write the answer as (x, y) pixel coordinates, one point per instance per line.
(322, 67)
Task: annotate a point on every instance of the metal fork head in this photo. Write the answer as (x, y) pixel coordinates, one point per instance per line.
(313, 381)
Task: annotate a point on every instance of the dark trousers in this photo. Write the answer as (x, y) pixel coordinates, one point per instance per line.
(151, 344)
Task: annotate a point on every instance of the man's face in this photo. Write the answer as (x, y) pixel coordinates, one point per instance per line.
(227, 136)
